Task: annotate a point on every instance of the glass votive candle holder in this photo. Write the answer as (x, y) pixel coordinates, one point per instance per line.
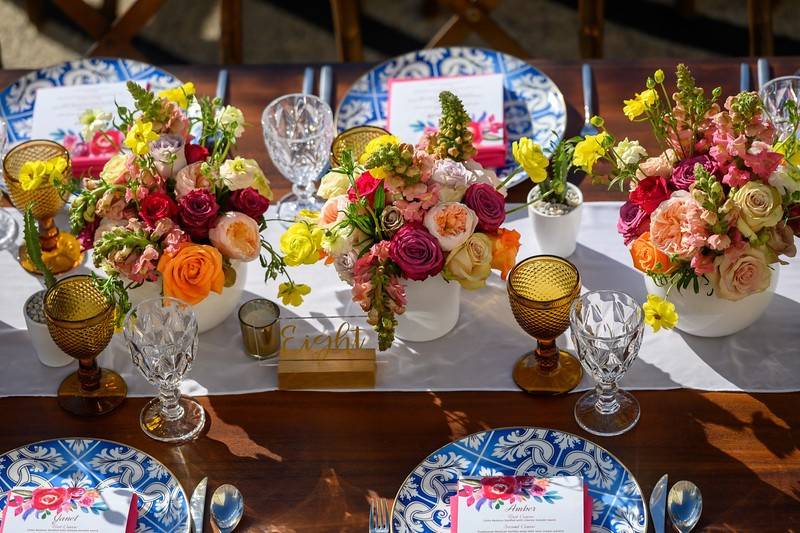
(261, 331)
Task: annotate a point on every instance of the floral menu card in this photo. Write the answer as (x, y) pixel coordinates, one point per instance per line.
(521, 504)
(81, 118)
(69, 509)
(413, 109)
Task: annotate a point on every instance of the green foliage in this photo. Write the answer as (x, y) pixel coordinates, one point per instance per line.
(397, 159)
(554, 188)
(116, 292)
(146, 102)
(683, 278)
(34, 248)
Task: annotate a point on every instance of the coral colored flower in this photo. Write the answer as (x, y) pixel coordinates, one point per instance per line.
(236, 235)
(649, 193)
(647, 258)
(451, 223)
(192, 273)
(505, 246)
(702, 263)
(742, 274)
(292, 293)
(190, 178)
(735, 177)
(140, 136)
(530, 157)
(658, 166)
(659, 313)
(333, 210)
(761, 159)
(366, 187)
(676, 227)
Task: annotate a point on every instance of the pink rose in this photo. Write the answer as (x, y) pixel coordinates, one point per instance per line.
(451, 223)
(676, 227)
(236, 236)
(658, 166)
(49, 499)
(417, 253)
(740, 275)
(190, 178)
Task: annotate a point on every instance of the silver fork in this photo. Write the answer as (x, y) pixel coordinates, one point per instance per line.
(378, 516)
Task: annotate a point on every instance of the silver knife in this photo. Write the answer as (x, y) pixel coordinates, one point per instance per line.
(658, 503)
(197, 505)
(222, 85)
(762, 69)
(326, 84)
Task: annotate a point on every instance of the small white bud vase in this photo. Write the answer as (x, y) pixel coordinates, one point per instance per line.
(432, 309)
(711, 316)
(556, 231)
(47, 351)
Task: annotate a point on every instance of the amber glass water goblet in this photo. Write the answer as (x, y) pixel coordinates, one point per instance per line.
(81, 322)
(354, 139)
(541, 289)
(61, 251)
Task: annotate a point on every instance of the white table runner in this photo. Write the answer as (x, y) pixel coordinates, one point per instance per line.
(478, 354)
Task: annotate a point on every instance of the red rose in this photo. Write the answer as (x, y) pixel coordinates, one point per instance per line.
(498, 488)
(106, 142)
(794, 219)
(366, 185)
(488, 204)
(196, 212)
(248, 201)
(649, 193)
(156, 206)
(195, 153)
(49, 499)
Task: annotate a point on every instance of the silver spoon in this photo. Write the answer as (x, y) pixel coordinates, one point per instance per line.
(684, 504)
(227, 508)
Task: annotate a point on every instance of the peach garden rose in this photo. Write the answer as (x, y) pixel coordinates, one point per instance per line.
(740, 275)
(236, 236)
(676, 226)
(451, 223)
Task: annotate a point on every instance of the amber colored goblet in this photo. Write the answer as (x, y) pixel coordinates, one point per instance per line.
(541, 289)
(61, 252)
(354, 139)
(81, 322)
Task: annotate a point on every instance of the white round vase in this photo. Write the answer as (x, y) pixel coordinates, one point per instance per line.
(432, 309)
(214, 309)
(556, 234)
(711, 316)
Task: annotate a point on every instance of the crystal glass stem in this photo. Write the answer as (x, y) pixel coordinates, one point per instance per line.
(304, 191)
(170, 406)
(89, 374)
(607, 403)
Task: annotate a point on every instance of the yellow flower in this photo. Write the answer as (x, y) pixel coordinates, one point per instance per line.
(307, 215)
(140, 136)
(529, 156)
(639, 104)
(589, 150)
(375, 144)
(179, 95)
(292, 293)
(301, 244)
(32, 175)
(56, 167)
(659, 313)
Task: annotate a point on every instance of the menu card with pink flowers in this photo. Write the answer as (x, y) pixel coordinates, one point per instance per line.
(521, 504)
(69, 509)
(413, 109)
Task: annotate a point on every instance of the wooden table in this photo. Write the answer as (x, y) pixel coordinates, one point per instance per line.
(308, 461)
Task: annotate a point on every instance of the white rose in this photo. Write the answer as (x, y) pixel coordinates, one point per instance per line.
(333, 184)
(240, 173)
(484, 175)
(451, 223)
(230, 115)
(630, 152)
(783, 181)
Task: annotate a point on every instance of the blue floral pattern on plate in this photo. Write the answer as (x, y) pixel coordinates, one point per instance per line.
(422, 504)
(95, 463)
(533, 105)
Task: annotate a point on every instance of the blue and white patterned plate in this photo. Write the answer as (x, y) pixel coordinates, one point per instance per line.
(95, 463)
(533, 105)
(422, 504)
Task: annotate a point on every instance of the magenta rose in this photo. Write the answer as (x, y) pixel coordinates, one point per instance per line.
(633, 221)
(416, 252)
(488, 204)
(196, 211)
(156, 206)
(366, 185)
(248, 201)
(683, 173)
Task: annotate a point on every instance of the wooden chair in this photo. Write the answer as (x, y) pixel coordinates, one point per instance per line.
(113, 34)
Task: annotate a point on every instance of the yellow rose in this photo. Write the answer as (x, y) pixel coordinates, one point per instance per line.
(301, 244)
(589, 150)
(333, 184)
(470, 263)
(529, 156)
(759, 207)
(115, 168)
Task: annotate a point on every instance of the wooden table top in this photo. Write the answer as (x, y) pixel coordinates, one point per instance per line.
(308, 461)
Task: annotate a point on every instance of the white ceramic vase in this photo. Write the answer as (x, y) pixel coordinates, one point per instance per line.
(47, 351)
(556, 234)
(214, 309)
(432, 309)
(711, 316)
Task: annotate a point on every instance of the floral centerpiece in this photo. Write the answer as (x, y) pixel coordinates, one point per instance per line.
(173, 209)
(403, 214)
(713, 212)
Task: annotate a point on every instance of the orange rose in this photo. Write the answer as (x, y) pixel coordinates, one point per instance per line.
(192, 273)
(648, 258)
(505, 245)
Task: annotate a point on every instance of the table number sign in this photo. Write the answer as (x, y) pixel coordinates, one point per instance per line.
(521, 504)
(413, 109)
(69, 509)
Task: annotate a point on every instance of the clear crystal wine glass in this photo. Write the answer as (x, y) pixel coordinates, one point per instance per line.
(298, 132)
(775, 93)
(8, 226)
(606, 327)
(162, 336)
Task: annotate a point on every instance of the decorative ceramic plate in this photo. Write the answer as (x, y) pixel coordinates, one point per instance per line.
(534, 106)
(422, 504)
(163, 507)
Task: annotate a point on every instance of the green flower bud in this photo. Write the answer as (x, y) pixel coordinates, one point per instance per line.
(597, 121)
(650, 83)
(659, 76)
